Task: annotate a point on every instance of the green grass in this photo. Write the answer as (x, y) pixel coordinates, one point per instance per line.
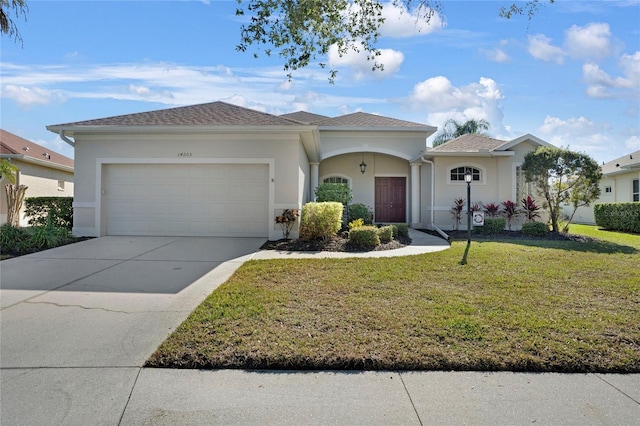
(524, 305)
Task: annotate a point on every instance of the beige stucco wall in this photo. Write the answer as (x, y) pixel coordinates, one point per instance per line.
(621, 192)
(363, 185)
(497, 184)
(41, 181)
(406, 145)
(94, 150)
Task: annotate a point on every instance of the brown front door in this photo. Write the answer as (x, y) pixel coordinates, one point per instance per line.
(391, 199)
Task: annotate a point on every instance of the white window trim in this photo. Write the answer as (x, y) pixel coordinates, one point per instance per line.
(482, 169)
(338, 175)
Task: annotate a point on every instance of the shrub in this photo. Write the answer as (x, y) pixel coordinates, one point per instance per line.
(364, 236)
(13, 239)
(400, 230)
(492, 209)
(385, 233)
(336, 192)
(529, 208)
(456, 211)
(509, 211)
(320, 220)
(48, 236)
(492, 225)
(357, 223)
(286, 221)
(360, 211)
(59, 209)
(536, 229)
(623, 217)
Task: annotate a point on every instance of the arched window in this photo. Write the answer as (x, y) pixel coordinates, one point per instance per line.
(337, 179)
(457, 174)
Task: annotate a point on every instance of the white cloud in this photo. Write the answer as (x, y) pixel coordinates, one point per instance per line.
(442, 101)
(602, 85)
(540, 47)
(362, 67)
(26, 96)
(589, 42)
(498, 54)
(399, 22)
(579, 134)
(633, 143)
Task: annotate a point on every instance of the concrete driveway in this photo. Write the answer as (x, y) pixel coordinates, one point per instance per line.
(77, 322)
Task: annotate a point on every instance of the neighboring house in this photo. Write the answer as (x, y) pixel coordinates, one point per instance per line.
(620, 184)
(43, 171)
(223, 170)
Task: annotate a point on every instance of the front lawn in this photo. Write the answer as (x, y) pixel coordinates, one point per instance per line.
(519, 305)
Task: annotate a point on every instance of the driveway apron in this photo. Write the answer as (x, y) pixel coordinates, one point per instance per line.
(77, 322)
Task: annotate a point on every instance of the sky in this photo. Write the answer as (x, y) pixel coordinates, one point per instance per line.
(570, 75)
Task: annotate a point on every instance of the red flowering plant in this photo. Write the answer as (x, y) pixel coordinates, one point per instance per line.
(530, 208)
(509, 211)
(286, 221)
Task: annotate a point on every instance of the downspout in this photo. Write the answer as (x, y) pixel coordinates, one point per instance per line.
(66, 139)
(433, 199)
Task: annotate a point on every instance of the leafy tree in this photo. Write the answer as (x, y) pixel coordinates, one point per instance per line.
(563, 176)
(8, 170)
(452, 129)
(300, 31)
(7, 25)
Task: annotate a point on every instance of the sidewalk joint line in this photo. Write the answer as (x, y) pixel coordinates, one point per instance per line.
(415, 410)
(616, 388)
(129, 397)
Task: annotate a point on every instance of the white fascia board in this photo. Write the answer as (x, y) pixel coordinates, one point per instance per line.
(432, 154)
(39, 162)
(527, 137)
(73, 130)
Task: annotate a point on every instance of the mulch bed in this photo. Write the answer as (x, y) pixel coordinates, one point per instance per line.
(337, 243)
(518, 235)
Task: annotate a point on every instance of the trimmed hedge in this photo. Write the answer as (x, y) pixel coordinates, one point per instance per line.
(623, 217)
(58, 209)
(320, 220)
(360, 211)
(492, 225)
(400, 230)
(364, 236)
(536, 229)
(386, 233)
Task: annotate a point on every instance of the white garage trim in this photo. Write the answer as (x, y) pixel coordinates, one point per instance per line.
(100, 222)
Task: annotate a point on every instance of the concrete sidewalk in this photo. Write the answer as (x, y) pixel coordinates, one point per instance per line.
(78, 322)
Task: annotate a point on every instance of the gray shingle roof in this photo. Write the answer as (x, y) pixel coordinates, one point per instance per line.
(363, 119)
(210, 114)
(620, 164)
(11, 144)
(305, 117)
(470, 143)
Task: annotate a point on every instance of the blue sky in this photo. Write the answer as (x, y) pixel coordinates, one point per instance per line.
(571, 76)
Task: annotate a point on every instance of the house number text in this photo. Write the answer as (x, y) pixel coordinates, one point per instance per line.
(185, 154)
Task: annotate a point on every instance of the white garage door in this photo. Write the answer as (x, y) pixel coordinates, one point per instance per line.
(186, 199)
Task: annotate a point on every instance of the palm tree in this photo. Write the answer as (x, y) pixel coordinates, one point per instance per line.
(452, 129)
(14, 193)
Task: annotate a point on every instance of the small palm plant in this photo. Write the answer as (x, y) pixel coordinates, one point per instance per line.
(509, 211)
(530, 208)
(456, 211)
(492, 209)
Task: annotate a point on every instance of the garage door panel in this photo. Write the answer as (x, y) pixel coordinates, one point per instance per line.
(194, 199)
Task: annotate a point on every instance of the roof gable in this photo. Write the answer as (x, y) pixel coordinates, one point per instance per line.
(304, 117)
(210, 114)
(14, 145)
(470, 143)
(622, 164)
(366, 120)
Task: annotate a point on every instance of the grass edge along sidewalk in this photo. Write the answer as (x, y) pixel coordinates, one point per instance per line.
(562, 306)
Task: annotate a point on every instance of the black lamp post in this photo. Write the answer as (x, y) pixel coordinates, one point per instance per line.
(468, 177)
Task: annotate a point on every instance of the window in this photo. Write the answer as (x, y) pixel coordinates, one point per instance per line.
(607, 190)
(636, 190)
(457, 174)
(60, 185)
(336, 179)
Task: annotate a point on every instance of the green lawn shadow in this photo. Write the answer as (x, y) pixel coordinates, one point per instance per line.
(586, 246)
